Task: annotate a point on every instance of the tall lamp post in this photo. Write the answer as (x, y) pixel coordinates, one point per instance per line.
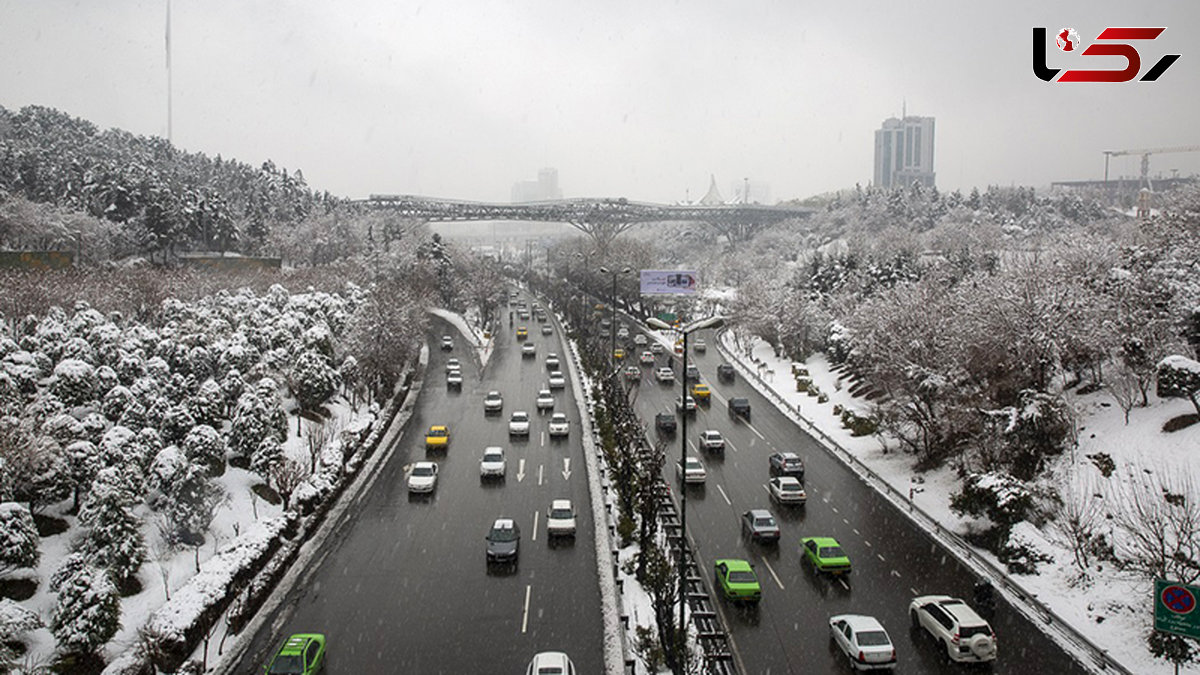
(700, 324)
(612, 300)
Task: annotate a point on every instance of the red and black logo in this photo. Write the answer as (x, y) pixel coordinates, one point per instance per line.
(1114, 44)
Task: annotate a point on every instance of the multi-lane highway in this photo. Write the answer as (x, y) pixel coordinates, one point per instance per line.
(893, 560)
(405, 587)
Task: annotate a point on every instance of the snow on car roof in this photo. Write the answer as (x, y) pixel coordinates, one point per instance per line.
(504, 524)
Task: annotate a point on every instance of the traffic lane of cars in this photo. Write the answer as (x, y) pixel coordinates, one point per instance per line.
(894, 560)
(407, 584)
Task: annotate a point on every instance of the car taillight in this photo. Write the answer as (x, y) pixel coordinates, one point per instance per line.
(893, 654)
(862, 658)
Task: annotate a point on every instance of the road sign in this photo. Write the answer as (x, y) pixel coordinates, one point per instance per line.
(667, 317)
(669, 282)
(1175, 609)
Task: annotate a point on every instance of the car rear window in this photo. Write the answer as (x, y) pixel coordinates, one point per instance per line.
(765, 522)
(969, 631)
(561, 513)
(832, 552)
(873, 638)
(790, 487)
(741, 578)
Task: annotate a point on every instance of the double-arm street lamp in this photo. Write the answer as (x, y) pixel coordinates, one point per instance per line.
(700, 324)
(612, 300)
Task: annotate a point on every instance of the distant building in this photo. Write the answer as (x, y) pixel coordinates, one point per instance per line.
(751, 192)
(904, 152)
(542, 189)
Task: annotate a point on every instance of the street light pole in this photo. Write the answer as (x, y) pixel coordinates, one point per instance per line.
(612, 300)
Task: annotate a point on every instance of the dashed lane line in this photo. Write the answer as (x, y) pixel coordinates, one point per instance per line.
(724, 496)
(525, 613)
(773, 575)
(535, 524)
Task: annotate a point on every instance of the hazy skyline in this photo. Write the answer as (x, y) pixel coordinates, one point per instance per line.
(642, 100)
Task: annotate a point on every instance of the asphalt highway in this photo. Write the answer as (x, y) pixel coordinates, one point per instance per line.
(405, 586)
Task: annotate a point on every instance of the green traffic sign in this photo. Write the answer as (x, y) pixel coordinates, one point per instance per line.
(667, 317)
(1175, 608)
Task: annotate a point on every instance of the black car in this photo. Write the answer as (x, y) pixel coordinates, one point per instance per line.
(739, 407)
(503, 541)
(786, 464)
(665, 423)
(725, 372)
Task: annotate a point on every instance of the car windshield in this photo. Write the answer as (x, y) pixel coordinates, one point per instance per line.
(561, 513)
(742, 578)
(492, 456)
(558, 418)
(832, 552)
(422, 471)
(520, 417)
(873, 638)
(288, 665)
(503, 534)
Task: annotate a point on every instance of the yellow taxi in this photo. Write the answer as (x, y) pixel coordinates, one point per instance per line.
(701, 392)
(437, 437)
(618, 353)
(522, 333)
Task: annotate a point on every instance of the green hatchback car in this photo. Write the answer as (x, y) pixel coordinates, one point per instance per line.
(301, 654)
(825, 554)
(737, 581)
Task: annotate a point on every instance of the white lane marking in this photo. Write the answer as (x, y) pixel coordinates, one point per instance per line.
(722, 490)
(525, 614)
(856, 531)
(765, 487)
(535, 524)
(720, 398)
(520, 470)
(880, 556)
(773, 575)
(751, 427)
(566, 468)
(840, 581)
(895, 574)
(542, 436)
(731, 445)
(914, 591)
(833, 508)
(867, 543)
(541, 470)
(845, 521)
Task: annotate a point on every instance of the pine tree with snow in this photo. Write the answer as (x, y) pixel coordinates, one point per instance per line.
(268, 392)
(266, 456)
(113, 537)
(74, 382)
(192, 505)
(204, 445)
(68, 567)
(87, 613)
(176, 424)
(312, 380)
(82, 460)
(232, 386)
(115, 401)
(251, 424)
(134, 416)
(208, 404)
(18, 538)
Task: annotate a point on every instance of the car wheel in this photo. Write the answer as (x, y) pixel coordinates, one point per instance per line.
(916, 621)
(946, 652)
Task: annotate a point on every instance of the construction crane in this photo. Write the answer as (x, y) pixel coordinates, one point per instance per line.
(1145, 153)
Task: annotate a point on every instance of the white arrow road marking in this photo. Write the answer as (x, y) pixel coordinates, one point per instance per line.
(535, 524)
(520, 470)
(566, 468)
(525, 614)
(541, 469)
(722, 490)
(773, 575)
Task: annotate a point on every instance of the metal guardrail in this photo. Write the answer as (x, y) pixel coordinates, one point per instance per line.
(1021, 598)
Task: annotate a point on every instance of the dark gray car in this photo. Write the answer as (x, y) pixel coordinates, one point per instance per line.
(503, 541)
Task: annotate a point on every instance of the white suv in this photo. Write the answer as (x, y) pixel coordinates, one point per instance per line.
(955, 627)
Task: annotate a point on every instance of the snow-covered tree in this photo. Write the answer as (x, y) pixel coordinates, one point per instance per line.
(115, 401)
(192, 505)
(1179, 376)
(204, 445)
(113, 536)
(87, 613)
(74, 382)
(32, 465)
(176, 424)
(18, 538)
(208, 404)
(312, 380)
(268, 454)
(251, 424)
(82, 461)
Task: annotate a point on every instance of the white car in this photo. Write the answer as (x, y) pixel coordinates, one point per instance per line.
(557, 381)
(560, 520)
(955, 627)
(623, 333)
(552, 361)
(493, 402)
(423, 477)
(518, 424)
(550, 663)
(546, 329)
(694, 471)
(447, 342)
(657, 348)
(863, 641)
(687, 404)
(545, 400)
(647, 358)
(711, 439)
(639, 340)
(559, 424)
(528, 350)
(454, 378)
(664, 375)
(699, 346)
(492, 464)
(787, 490)
(453, 364)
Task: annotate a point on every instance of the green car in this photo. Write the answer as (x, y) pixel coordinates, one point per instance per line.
(737, 580)
(301, 654)
(825, 554)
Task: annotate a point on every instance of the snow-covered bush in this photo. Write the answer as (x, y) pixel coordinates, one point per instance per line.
(204, 445)
(312, 380)
(87, 613)
(192, 505)
(1179, 376)
(113, 538)
(266, 456)
(18, 538)
(176, 424)
(251, 424)
(208, 404)
(115, 402)
(74, 382)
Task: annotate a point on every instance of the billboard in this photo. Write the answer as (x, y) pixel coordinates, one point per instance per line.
(669, 282)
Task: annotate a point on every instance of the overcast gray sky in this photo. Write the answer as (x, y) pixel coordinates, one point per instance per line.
(632, 98)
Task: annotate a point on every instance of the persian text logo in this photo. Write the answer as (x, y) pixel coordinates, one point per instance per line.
(1114, 45)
